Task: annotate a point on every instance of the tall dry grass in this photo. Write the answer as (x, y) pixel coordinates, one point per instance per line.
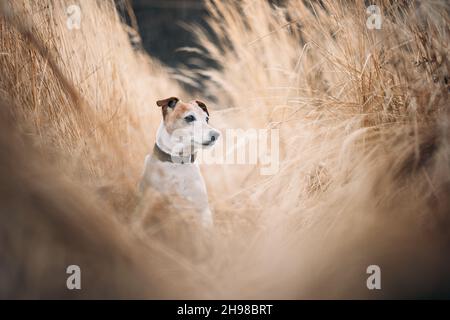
(364, 169)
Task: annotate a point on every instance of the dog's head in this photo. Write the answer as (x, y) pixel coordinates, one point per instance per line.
(188, 123)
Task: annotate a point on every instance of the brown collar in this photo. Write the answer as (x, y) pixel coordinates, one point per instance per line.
(166, 157)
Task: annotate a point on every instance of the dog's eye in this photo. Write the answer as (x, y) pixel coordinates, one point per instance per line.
(207, 119)
(190, 118)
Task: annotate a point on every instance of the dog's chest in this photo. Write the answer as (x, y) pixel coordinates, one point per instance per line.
(182, 179)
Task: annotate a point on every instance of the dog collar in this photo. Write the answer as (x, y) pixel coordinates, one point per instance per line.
(167, 157)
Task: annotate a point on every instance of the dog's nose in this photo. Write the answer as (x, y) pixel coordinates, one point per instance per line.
(214, 135)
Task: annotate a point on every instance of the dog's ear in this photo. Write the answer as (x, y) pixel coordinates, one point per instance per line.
(166, 104)
(202, 106)
(169, 102)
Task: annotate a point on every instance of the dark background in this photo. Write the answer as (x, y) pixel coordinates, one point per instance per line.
(160, 25)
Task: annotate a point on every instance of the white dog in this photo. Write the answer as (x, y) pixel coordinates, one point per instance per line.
(171, 168)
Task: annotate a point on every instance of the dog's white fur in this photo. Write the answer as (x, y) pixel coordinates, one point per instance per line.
(181, 179)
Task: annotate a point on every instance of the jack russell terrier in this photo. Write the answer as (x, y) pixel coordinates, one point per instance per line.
(171, 168)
